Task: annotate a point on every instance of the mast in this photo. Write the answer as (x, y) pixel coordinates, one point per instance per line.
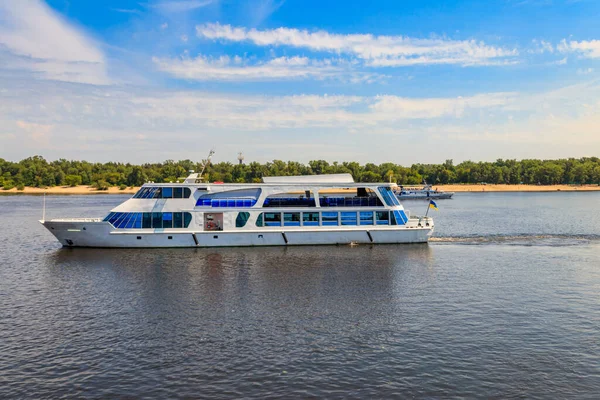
(210, 154)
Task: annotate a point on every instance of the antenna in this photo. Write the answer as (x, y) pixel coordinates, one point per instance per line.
(210, 154)
(240, 157)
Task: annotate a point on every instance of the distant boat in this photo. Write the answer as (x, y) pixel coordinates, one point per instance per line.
(424, 192)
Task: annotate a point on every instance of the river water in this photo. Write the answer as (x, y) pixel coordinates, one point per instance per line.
(503, 302)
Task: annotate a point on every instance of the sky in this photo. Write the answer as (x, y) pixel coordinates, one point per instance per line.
(383, 81)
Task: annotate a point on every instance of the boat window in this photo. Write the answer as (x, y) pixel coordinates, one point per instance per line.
(177, 220)
(329, 218)
(167, 220)
(163, 193)
(272, 219)
(348, 218)
(147, 221)
(399, 218)
(138, 221)
(291, 199)
(291, 219)
(187, 218)
(388, 196)
(259, 220)
(350, 197)
(130, 221)
(382, 217)
(242, 219)
(366, 217)
(310, 219)
(241, 198)
(157, 220)
(167, 193)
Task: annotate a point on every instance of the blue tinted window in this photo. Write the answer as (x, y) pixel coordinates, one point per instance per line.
(366, 217)
(108, 216)
(187, 193)
(388, 196)
(291, 219)
(130, 221)
(259, 220)
(119, 219)
(167, 193)
(329, 218)
(178, 193)
(310, 219)
(167, 220)
(187, 218)
(272, 219)
(157, 220)
(382, 217)
(123, 221)
(177, 220)
(147, 220)
(348, 218)
(138, 221)
(242, 219)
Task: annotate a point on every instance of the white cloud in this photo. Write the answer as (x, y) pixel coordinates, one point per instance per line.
(541, 46)
(36, 38)
(225, 68)
(376, 50)
(587, 48)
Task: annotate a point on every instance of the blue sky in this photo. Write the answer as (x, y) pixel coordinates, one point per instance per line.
(399, 81)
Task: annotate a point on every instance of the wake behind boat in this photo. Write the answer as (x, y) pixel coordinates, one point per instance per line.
(281, 211)
(425, 192)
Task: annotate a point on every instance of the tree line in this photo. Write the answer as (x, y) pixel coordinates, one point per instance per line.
(38, 172)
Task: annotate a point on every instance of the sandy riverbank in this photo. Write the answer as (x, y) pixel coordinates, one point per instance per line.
(517, 188)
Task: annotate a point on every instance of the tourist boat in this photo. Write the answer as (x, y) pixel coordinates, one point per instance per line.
(280, 211)
(425, 192)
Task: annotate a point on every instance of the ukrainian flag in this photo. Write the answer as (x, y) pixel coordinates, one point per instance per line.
(433, 205)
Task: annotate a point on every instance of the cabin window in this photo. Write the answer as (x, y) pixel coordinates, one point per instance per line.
(398, 218)
(167, 220)
(187, 218)
(310, 219)
(231, 198)
(163, 193)
(291, 219)
(349, 197)
(242, 219)
(382, 217)
(167, 193)
(157, 220)
(329, 218)
(388, 196)
(366, 217)
(348, 218)
(147, 221)
(177, 220)
(272, 219)
(259, 220)
(292, 199)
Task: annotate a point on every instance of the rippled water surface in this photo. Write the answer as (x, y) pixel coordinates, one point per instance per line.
(504, 302)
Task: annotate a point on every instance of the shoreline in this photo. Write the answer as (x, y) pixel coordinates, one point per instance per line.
(458, 188)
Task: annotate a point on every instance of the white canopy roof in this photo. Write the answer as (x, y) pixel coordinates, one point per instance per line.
(330, 178)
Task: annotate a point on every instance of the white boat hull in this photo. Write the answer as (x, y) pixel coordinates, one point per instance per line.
(87, 233)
